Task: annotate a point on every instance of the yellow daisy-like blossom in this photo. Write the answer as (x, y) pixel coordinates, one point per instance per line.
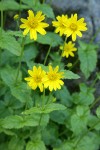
(60, 24)
(36, 78)
(68, 49)
(34, 24)
(53, 79)
(74, 27)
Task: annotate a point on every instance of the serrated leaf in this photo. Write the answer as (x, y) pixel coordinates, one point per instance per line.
(80, 122)
(88, 58)
(46, 109)
(88, 143)
(12, 122)
(70, 75)
(50, 38)
(85, 96)
(16, 144)
(35, 145)
(17, 122)
(9, 43)
(22, 93)
(8, 75)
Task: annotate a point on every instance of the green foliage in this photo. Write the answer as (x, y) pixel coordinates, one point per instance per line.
(70, 75)
(36, 145)
(11, 5)
(64, 119)
(85, 96)
(8, 75)
(45, 109)
(9, 43)
(50, 39)
(16, 144)
(88, 57)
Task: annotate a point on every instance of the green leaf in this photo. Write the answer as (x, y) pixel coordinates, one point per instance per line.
(35, 145)
(31, 4)
(64, 96)
(66, 146)
(70, 75)
(50, 38)
(52, 107)
(15, 33)
(80, 119)
(9, 43)
(30, 52)
(85, 96)
(94, 122)
(12, 122)
(4, 145)
(46, 109)
(46, 9)
(16, 144)
(51, 131)
(8, 75)
(60, 116)
(88, 58)
(22, 93)
(89, 142)
(98, 112)
(11, 5)
(17, 122)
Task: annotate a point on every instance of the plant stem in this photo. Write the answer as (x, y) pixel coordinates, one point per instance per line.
(97, 100)
(20, 59)
(74, 64)
(20, 8)
(95, 80)
(1, 32)
(47, 54)
(1, 19)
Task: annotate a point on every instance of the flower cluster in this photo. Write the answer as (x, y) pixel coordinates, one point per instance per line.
(70, 26)
(64, 26)
(40, 78)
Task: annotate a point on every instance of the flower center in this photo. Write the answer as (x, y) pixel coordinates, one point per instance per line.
(52, 77)
(33, 24)
(73, 27)
(38, 79)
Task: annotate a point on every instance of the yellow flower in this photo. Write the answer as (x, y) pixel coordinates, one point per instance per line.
(16, 17)
(34, 24)
(60, 24)
(74, 27)
(36, 78)
(53, 79)
(68, 49)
